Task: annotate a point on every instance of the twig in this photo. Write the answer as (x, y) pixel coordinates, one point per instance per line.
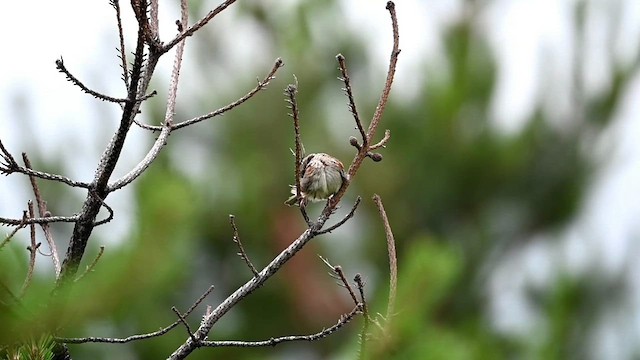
(43, 220)
(33, 250)
(339, 274)
(393, 61)
(344, 219)
(184, 322)
(10, 166)
(42, 212)
(92, 265)
(109, 209)
(261, 85)
(383, 141)
(291, 91)
(165, 131)
(134, 337)
(352, 104)
(15, 231)
(195, 27)
(175, 72)
(242, 253)
(365, 312)
(122, 49)
(363, 151)
(75, 81)
(393, 261)
(344, 319)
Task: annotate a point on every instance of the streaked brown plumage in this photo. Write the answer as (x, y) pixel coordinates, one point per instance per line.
(321, 176)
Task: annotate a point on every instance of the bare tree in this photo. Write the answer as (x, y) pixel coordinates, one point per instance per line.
(136, 77)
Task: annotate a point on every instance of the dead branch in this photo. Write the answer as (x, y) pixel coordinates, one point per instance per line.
(236, 239)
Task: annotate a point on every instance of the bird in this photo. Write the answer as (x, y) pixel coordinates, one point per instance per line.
(321, 176)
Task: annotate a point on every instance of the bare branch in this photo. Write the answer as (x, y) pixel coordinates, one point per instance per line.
(43, 220)
(365, 312)
(195, 27)
(363, 151)
(33, 250)
(165, 131)
(345, 283)
(393, 261)
(261, 85)
(42, 212)
(291, 91)
(242, 253)
(91, 206)
(382, 104)
(154, 23)
(92, 265)
(109, 209)
(135, 337)
(352, 104)
(75, 81)
(175, 72)
(122, 50)
(184, 322)
(11, 166)
(344, 319)
(344, 219)
(14, 232)
(383, 142)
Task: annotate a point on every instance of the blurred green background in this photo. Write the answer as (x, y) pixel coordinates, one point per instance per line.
(461, 197)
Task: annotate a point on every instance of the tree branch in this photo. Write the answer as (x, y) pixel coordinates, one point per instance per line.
(134, 337)
(241, 253)
(344, 319)
(195, 27)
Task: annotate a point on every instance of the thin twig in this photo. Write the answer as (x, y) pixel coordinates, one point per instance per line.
(382, 104)
(75, 81)
(184, 322)
(33, 250)
(92, 265)
(365, 312)
(42, 212)
(135, 337)
(291, 91)
(42, 220)
(344, 319)
(15, 231)
(242, 253)
(352, 104)
(261, 85)
(122, 50)
(343, 220)
(11, 166)
(382, 142)
(393, 260)
(339, 274)
(195, 27)
(109, 209)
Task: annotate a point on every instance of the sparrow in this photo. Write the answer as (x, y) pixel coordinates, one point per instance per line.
(321, 176)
